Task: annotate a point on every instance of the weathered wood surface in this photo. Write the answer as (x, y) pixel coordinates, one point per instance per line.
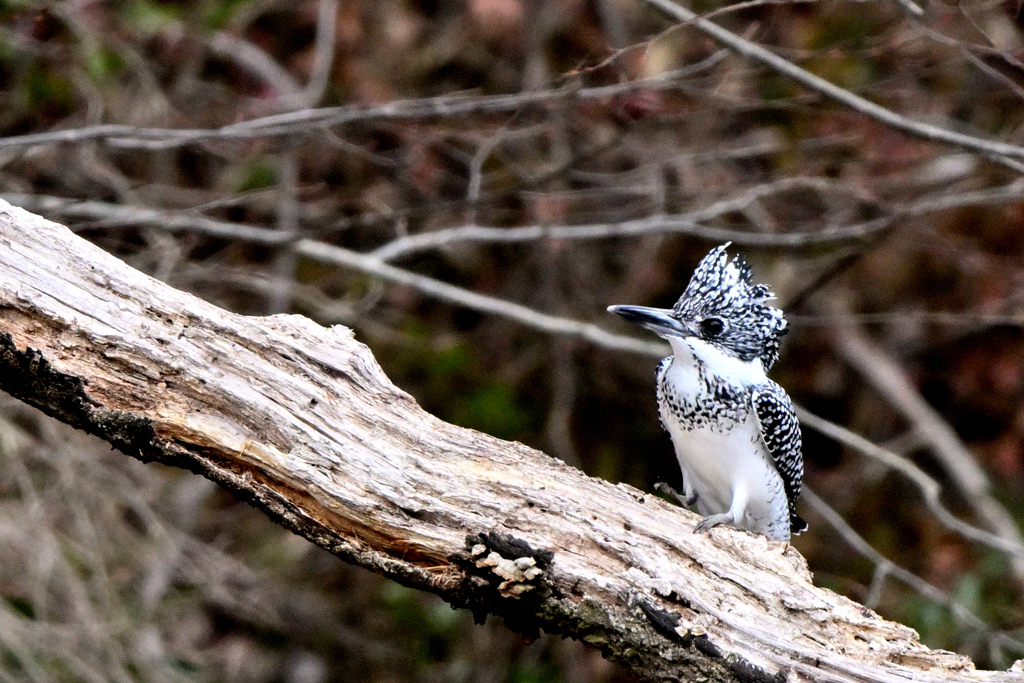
(300, 421)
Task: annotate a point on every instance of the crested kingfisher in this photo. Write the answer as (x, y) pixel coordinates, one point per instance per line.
(735, 431)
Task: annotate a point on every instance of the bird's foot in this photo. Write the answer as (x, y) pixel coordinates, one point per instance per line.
(685, 501)
(712, 521)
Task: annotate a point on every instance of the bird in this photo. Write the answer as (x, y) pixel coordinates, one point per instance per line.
(735, 431)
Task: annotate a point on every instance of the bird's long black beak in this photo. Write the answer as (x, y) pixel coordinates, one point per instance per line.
(657, 320)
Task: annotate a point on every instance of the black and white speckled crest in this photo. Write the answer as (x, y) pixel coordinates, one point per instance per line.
(723, 289)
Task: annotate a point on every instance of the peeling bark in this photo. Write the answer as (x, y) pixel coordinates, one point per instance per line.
(300, 421)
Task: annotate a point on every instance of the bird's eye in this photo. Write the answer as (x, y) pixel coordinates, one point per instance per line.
(712, 327)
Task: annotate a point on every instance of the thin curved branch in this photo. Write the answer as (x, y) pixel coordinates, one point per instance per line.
(989, 148)
(930, 489)
(313, 120)
(544, 322)
(889, 379)
(884, 568)
(114, 214)
(686, 223)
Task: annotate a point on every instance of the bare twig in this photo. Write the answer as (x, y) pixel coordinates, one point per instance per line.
(951, 318)
(884, 567)
(544, 322)
(911, 7)
(1011, 192)
(886, 376)
(113, 214)
(483, 153)
(995, 150)
(323, 57)
(313, 120)
(749, 4)
(688, 223)
(288, 226)
(680, 223)
(256, 61)
(930, 488)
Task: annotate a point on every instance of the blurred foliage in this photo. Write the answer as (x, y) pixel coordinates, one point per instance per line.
(144, 574)
(451, 386)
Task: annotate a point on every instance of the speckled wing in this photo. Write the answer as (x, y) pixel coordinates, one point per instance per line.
(781, 434)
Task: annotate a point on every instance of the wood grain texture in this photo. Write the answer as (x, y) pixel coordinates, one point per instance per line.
(300, 421)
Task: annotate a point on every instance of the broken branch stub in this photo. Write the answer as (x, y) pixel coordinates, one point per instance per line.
(300, 421)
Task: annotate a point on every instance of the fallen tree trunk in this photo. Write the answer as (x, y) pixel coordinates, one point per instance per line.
(300, 421)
